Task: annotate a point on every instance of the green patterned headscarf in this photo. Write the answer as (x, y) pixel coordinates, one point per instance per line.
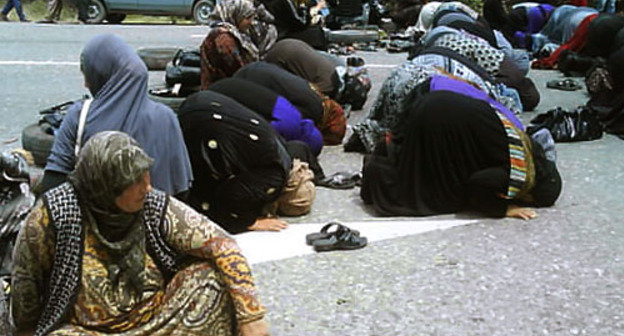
(109, 163)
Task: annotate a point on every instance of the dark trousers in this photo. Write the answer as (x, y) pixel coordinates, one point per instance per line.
(18, 8)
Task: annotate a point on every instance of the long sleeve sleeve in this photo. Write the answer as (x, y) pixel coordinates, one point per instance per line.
(61, 157)
(485, 188)
(193, 234)
(32, 258)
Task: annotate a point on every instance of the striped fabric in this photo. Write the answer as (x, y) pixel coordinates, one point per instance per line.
(517, 157)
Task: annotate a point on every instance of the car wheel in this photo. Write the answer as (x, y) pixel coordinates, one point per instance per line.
(115, 18)
(38, 142)
(97, 11)
(202, 11)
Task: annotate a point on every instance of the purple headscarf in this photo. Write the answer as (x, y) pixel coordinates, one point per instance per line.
(117, 79)
(443, 83)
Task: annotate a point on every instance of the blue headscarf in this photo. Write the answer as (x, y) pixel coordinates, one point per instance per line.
(117, 79)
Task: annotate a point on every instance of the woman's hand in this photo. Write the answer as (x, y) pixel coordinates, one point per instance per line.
(268, 224)
(515, 211)
(255, 328)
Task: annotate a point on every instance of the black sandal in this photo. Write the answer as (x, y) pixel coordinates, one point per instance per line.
(325, 233)
(341, 180)
(342, 239)
(563, 84)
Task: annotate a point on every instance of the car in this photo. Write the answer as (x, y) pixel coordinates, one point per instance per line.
(114, 11)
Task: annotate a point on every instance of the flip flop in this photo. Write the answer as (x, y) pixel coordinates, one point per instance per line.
(563, 84)
(325, 233)
(340, 240)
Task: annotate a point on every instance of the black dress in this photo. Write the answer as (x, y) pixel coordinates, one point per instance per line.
(450, 154)
(238, 162)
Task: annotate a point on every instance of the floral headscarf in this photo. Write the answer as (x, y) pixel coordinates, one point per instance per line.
(109, 163)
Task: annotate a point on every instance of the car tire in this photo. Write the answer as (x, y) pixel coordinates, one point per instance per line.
(353, 36)
(157, 58)
(202, 10)
(38, 142)
(96, 12)
(115, 18)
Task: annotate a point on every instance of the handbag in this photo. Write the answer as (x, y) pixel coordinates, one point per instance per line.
(185, 68)
(579, 125)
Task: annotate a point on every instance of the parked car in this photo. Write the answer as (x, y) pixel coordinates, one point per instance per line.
(114, 11)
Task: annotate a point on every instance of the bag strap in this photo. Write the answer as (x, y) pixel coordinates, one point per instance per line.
(81, 124)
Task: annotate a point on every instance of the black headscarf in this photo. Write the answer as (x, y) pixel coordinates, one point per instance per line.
(294, 88)
(601, 34)
(476, 29)
(255, 97)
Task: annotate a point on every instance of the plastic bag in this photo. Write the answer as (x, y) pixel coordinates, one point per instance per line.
(565, 126)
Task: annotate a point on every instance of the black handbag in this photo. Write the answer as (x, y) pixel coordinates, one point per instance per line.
(579, 125)
(185, 68)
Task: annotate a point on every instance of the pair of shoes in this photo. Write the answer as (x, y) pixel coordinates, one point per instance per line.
(46, 21)
(4, 17)
(343, 238)
(563, 84)
(24, 20)
(341, 180)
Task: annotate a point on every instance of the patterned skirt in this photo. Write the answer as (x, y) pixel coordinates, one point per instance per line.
(195, 303)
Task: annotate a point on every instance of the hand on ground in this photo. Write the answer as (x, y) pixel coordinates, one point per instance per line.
(515, 211)
(255, 328)
(268, 224)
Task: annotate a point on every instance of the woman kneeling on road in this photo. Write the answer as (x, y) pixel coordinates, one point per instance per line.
(106, 254)
(456, 153)
(244, 172)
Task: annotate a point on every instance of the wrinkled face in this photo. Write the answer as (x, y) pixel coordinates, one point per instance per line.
(245, 23)
(132, 198)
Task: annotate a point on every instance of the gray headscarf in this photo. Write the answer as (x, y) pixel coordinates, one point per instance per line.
(229, 14)
(108, 164)
(118, 80)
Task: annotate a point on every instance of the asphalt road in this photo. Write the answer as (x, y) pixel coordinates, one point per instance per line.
(560, 274)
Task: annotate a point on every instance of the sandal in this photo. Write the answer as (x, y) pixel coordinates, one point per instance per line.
(340, 180)
(564, 84)
(325, 233)
(340, 240)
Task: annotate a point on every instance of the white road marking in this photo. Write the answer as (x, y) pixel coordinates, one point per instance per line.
(261, 247)
(39, 63)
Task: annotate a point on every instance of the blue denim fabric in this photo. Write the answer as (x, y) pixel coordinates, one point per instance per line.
(18, 8)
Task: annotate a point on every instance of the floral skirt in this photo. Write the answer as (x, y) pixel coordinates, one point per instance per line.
(195, 303)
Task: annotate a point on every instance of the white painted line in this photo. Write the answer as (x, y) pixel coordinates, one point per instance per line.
(382, 66)
(261, 247)
(38, 63)
(198, 35)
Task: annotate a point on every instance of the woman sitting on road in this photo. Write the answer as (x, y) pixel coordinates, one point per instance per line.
(106, 254)
(275, 109)
(228, 46)
(244, 173)
(453, 152)
(117, 80)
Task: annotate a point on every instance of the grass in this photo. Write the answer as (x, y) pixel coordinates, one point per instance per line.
(36, 10)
